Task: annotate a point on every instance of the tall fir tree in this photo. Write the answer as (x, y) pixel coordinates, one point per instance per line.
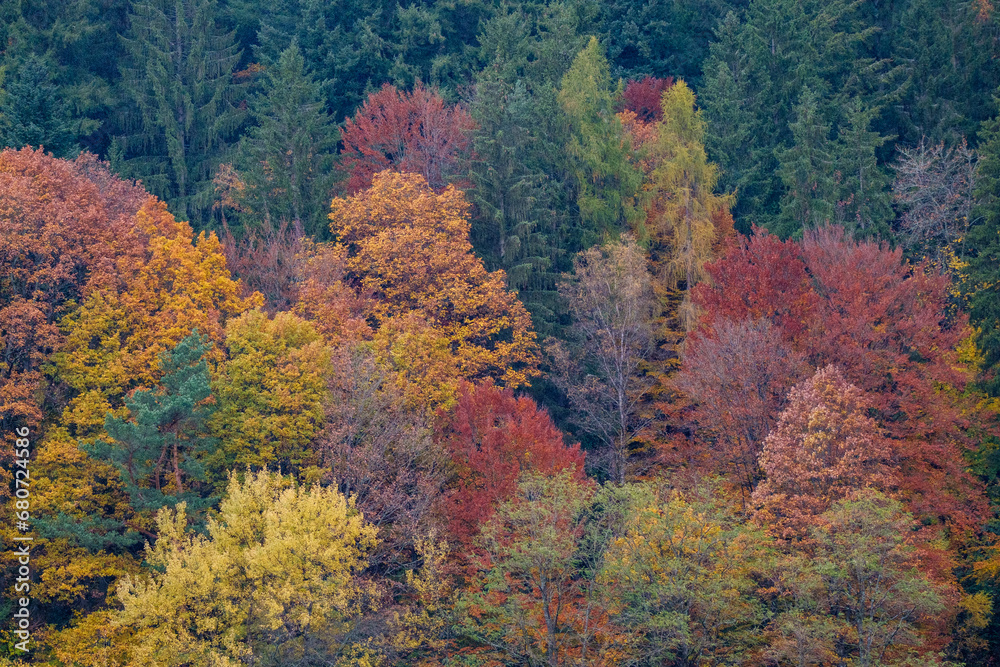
(287, 159)
(32, 111)
(520, 168)
(179, 75)
(862, 191)
(806, 170)
(983, 256)
(755, 78)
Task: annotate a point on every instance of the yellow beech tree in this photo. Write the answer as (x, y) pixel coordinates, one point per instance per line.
(273, 582)
(270, 393)
(408, 249)
(114, 339)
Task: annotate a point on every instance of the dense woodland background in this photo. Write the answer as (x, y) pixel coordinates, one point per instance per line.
(637, 333)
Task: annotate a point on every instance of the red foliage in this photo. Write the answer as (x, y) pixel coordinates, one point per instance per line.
(414, 132)
(760, 277)
(882, 321)
(492, 437)
(66, 229)
(643, 97)
(740, 374)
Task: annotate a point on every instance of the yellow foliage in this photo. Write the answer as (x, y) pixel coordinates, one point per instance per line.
(269, 391)
(408, 248)
(279, 563)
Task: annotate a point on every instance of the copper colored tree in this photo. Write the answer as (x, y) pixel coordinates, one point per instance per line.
(414, 132)
(885, 324)
(66, 230)
(824, 447)
(642, 97)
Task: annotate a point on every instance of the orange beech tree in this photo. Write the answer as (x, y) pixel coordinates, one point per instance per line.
(413, 132)
(825, 446)
(406, 251)
(67, 228)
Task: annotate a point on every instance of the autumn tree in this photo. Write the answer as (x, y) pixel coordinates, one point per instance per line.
(884, 324)
(276, 573)
(409, 132)
(644, 97)
(824, 447)
(408, 248)
(116, 336)
(868, 571)
(269, 394)
(528, 603)
(737, 375)
(933, 188)
(68, 229)
(376, 449)
(683, 207)
(611, 300)
(492, 438)
(681, 581)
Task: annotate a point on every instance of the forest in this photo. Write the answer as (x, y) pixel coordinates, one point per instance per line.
(488, 333)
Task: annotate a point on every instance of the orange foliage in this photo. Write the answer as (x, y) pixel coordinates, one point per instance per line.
(66, 229)
(824, 447)
(408, 248)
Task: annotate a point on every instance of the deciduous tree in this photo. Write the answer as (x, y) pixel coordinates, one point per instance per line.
(612, 303)
(409, 132)
(492, 438)
(408, 247)
(276, 574)
(825, 446)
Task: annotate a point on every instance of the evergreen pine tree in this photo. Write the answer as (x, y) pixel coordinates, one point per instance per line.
(806, 171)
(157, 451)
(983, 256)
(180, 77)
(287, 158)
(32, 112)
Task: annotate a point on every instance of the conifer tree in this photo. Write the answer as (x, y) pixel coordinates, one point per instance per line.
(157, 451)
(983, 256)
(515, 227)
(806, 170)
(683, 192)
(287, 158)
(32, 111)
(862, 197)
(607, 181)
(179, 77)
